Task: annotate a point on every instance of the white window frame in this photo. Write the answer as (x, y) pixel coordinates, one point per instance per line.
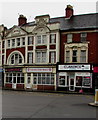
(83, 37)
(52, 38)
(41, 41)
(40, 58)
(30, 58)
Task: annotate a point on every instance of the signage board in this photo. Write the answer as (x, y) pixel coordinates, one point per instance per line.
(13, 70)
(74, 67)
(39, 69)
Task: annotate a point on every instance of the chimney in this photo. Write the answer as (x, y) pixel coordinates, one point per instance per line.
(22, 20)
(69, 11)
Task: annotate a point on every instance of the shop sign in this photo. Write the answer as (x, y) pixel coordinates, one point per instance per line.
(39, 69)
(74, 67)
(13, 70)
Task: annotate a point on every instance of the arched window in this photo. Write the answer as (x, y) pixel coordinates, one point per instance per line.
(15, 59)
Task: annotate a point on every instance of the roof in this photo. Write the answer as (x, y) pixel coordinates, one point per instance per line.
(86, 21)
(78, 22)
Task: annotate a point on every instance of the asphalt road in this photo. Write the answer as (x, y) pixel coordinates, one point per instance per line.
(46, 105)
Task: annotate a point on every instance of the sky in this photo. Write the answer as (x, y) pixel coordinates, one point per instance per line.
(11, 9)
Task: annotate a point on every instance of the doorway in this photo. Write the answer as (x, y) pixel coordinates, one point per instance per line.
(72, 82)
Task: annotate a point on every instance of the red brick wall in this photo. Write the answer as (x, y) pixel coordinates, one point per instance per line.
(62, 41)
(92, 48)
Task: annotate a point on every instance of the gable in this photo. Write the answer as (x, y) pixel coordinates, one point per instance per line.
(16, 31)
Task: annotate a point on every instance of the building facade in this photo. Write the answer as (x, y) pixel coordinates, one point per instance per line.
(52, 53)
(31, 54)
(78, 53)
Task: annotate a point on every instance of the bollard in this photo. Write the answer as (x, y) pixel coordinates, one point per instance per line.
(96, 96)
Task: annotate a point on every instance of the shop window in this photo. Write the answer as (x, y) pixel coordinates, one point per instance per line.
(14, 78)
(62, 80)
(83, 81)
(43, 78)
(53, 38)
(78, 81)
(86, 81)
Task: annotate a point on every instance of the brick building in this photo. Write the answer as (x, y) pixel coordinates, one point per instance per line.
(52, 53)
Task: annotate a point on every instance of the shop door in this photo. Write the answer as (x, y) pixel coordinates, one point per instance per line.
(71, 82)
(14, 81)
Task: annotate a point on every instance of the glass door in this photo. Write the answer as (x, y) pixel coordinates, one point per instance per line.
(72, 82)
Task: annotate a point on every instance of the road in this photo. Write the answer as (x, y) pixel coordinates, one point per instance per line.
(17, 104)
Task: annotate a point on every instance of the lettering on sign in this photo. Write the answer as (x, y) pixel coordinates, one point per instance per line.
(74, 67)
(39, 69)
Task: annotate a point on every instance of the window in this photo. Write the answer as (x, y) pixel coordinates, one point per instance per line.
(13, 42)
(30, 57)
(67, 56)
(53, 38)
(43, 78)
(15, 78)
(62, 80)
(18, 41)
(16, 59)
(83, 81)
(23, 40)
(69, 38)
(83, 56)
(8, 43)
(78, 81)
(83, 37)
(74, 57)
(52, 57)
(41, 39)
(30, 40)
(41, 57)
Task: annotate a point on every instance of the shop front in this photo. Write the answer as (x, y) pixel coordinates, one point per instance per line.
(74, 77)
(40, 78)
(13, 78)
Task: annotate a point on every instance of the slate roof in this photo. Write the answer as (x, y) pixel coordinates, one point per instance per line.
(78, 22)
(86, 21)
